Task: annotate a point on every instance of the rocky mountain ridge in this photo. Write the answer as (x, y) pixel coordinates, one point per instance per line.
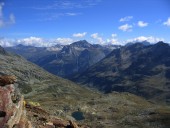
(137, 68)
(46, 94)
(64, 60)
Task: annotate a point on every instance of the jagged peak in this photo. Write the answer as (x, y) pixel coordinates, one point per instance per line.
(82, 43)
(161, 44)
(146, 43)
(134, 46)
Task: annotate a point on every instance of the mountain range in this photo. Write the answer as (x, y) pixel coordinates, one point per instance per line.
(137, 68)
(134, 68)
(65, 60)
(63, 98)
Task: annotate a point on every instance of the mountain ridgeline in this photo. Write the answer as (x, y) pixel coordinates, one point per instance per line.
(65, 60)
(139, 68)
(36, 83)
(136, 68)
(54, 97)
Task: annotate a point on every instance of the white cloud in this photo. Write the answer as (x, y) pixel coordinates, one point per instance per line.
(126, 28)
(64, 41)
(94, 35)
(142, 24)
(150, 39)
(50, 16)
(1, 15)
(127, 18)
(32, 41)
(35, 41)
(6, 42)
(79, 34)
(1, 7)
(167, 23)
(68, 4)
(98, 38)
(113, 41)
(12, 19)
(114, 35)
(40, 42)
(3, 21)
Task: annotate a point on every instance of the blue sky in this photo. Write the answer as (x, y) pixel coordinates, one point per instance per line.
(47, 22)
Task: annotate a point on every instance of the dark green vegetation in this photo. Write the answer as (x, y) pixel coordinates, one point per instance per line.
(64, 60)
(61, 98)
(138, 69)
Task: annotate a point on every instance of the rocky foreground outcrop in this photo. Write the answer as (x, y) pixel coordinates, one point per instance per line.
(16, 113)
(12, 111)
(42, 119)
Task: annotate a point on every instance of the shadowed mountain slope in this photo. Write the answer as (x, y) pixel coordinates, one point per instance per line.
(62, 98)
(139, 69)
(65, 60)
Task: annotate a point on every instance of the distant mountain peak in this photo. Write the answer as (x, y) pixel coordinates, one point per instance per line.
(146, 43)
(135, 46)
(161, 46)
(81, 43)
(24, 46)
(136, 68)
(162, 43)
(64, 60)
(20, 45)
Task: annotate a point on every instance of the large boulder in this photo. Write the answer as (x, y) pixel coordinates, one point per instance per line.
(12, 113)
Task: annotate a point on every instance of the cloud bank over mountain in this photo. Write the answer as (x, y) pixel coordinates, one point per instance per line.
(42, 42)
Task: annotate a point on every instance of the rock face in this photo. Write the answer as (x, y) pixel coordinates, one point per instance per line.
(14, 112)
(137, 68)
(65, 60)
(73, 58)
(11, 104)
